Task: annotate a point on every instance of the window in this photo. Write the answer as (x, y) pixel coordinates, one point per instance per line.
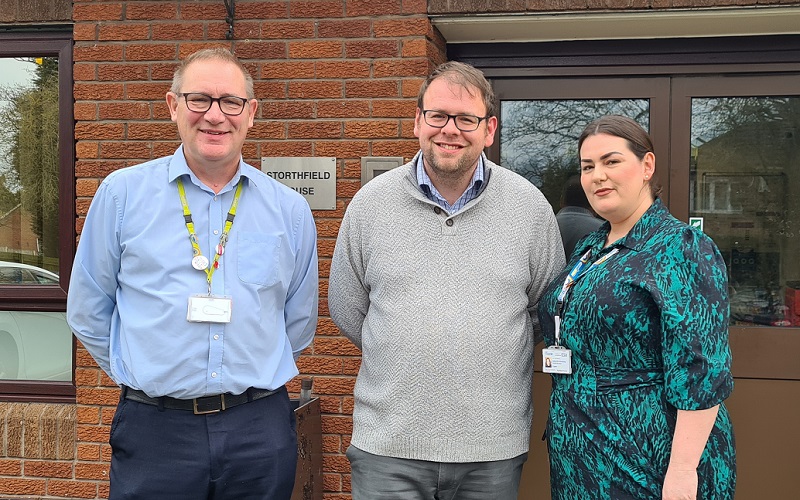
(37, 219)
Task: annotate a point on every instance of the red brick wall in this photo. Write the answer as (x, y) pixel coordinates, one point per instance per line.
(334, 79)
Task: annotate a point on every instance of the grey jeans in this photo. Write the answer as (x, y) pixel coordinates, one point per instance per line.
(376, 477)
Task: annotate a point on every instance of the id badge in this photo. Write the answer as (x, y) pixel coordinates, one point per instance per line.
(556, 359)
(209, 309)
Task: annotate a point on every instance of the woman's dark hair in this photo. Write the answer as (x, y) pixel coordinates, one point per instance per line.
(638, 140)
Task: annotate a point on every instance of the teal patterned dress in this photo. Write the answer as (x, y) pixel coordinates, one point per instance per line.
(648, 329)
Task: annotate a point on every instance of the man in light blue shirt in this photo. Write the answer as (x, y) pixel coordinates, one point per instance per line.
(195, 288)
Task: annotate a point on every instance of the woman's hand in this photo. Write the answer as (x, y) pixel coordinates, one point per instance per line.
(680, 484)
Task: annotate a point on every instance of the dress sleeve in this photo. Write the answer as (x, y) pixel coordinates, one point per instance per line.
(693, 286)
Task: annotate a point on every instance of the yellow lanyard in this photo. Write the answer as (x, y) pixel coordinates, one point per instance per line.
(198, 261)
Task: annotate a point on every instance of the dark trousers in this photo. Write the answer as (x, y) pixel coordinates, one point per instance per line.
(245, 452)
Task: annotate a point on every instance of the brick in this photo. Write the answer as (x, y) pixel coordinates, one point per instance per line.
(414, 48)
(267, 130)
(371, 88)
(316, 50)
(315, 130)
(124, 111)
(73, 489)
(341, 149)
(86, 149)
(399, 108)
(150, 11)
(411, 87)
(97, 396)
(82, 72)
(84, 32)
(316, 89)
(316, 364)
(116, 32)
(277, 110)
(82, 207)
(346, 28)
(162, 71)
(151, 131)
(84, 111)
(287, 30)
(122, 72)
(288, 70)
(371, 49)
(175, 31)
(370, 129)
(414, 26)
(331, 482)
(91, 471)
(347, 405)
(357, 8)
(146, 91)
(406, 148)
(15, 486)
(150, 52)
(405, 67)
(98, 91)
(325, 246)
(94, 12)
(88, 415)
(326, 327)
(261, 50)
(352, 169)
(93, 434)
(10, 468)
(407, 129)
(350, 366)
(132, 150)
(88, 452)
(415, 7)
(343, 69)
(270, 89)
(287, 148)
(347, 108)
(47, 469)
(97, 53)
(100, 131)
(206, 11)
(262, 10)
(316, 9)
(337, 346)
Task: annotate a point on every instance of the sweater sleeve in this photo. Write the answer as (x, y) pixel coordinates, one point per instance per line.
(348, 293)
(546, 262)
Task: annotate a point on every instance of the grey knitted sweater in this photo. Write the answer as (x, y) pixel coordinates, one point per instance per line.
(441, 308)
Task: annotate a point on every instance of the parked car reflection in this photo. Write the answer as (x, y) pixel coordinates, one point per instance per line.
(33, 345)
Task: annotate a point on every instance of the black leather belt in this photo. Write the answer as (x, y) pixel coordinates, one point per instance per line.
(200, 406)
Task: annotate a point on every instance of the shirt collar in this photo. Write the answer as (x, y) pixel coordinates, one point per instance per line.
(178, 168)
(427, 186)
(641, 232)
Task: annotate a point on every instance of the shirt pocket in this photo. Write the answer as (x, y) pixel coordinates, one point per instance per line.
(259, 258)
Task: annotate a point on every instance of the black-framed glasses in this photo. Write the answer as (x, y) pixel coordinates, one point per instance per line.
(200, 103)
(464, 123)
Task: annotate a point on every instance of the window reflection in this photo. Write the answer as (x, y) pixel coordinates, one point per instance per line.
(29, 162)
(539, 138)
(745, 159)
(35, 346)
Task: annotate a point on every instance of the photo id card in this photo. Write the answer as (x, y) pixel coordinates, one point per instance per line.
(557, 359)
(209, 309)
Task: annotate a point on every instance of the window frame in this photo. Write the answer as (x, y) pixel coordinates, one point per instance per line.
(53, 42)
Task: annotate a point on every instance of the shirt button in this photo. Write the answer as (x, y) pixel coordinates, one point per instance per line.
(449, 222)
(215, 198)
(216, 231)
(213, 374)
(437, 210)
(216, 337)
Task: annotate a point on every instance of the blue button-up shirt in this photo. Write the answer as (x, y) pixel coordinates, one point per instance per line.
(433, 194)
(132, 279)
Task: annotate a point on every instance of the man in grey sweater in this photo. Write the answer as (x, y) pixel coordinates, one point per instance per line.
(437, 271)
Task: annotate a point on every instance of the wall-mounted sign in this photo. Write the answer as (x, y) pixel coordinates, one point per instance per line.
(696, 222)
(314, 178)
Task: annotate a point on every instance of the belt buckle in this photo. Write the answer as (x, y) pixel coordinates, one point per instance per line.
(206, 412)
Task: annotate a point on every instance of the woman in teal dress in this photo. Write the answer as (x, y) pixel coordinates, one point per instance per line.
(644, 317)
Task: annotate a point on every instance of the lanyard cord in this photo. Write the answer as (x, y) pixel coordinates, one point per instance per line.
(577, 273)
(223, 238)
